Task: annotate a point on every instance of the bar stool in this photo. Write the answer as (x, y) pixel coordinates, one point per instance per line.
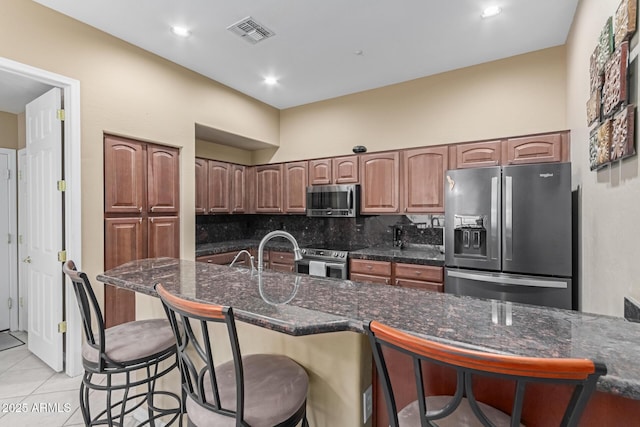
(462, 409)
(256, 390)
(136, 348)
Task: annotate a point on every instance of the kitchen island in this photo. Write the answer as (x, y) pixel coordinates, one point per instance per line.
(306, 306)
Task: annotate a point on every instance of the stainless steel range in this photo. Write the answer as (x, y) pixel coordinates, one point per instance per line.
(322, 262)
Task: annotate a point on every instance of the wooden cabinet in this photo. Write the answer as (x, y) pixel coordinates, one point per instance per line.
(415, 276)
(268, 188)
(163, 179)
(224, 258)
(335, 170)
(423, 173)
(545, 148)
(295, 187)
(238, 200)
(281, 261)
(125, 176)
(476, 154)
(141, 215)
(380, 180)
(345, 170)
(218, 187)
(202, 186)
(361, 270)
(320, 172)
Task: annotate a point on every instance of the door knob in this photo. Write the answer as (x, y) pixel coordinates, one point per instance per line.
(27, 260)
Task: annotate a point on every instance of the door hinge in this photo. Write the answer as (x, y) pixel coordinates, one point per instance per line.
(20, 239)
(9, 238)
(10, 303)
(20, 175)
(21, 301)
(62, 256)
(8, 174)
(62, 327)
(60, 115)
(62, 185)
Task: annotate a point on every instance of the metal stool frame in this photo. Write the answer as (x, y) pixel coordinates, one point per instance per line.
(583, 374)
(90, 310)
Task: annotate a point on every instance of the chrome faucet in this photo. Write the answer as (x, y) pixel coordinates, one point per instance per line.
(277, 233)
(251, 258)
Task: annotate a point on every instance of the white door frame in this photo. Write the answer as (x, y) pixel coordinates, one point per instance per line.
(13, 243)
(72, 205)
(22, 301)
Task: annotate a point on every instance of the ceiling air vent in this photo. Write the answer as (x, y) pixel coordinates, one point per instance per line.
(250, 30)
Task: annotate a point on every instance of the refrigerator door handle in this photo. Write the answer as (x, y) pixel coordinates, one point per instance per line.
(495, 203)
(508, 218)
(517, 281)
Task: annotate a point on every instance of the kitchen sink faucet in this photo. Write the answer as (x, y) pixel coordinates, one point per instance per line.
(277, 233)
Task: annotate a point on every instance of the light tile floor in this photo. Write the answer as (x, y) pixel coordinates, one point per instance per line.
(32, 394)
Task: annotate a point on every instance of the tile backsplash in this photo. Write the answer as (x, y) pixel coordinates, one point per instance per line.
(360, 231)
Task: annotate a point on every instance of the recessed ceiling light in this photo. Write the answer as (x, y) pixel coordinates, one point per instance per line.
(270, 81)
(491, 11)
(180, 31)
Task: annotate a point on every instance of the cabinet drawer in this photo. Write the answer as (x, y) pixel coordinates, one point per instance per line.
(419, 272)
(419, 284)
(281, 257)
(378, 268)
(366, 278)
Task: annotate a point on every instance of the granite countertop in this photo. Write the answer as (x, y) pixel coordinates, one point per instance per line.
(422, 254)
(316, 305)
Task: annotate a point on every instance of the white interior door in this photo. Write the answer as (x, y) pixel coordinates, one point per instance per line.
(8, 279)
(44, 222)
(23, 294)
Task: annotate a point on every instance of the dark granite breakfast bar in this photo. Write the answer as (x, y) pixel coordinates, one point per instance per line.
(304, 305)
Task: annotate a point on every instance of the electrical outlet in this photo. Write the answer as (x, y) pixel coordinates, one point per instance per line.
(367, 404)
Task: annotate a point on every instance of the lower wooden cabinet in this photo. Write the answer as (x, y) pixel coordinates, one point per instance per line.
(281, 261)
(414, 276)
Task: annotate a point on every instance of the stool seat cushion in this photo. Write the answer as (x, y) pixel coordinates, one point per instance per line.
(463, 416)
(133, 341)
(275, 389)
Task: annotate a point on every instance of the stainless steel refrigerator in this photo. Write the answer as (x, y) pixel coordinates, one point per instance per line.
(508, 233)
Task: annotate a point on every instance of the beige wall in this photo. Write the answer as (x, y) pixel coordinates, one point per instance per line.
(8, 130)
(515, 96)
(225, 153)
(127, 91)
(610, 205)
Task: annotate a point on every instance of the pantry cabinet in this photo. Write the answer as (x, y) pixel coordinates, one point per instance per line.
(141, 212)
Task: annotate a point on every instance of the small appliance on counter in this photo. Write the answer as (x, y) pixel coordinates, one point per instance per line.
(341, 201)
(508, 233)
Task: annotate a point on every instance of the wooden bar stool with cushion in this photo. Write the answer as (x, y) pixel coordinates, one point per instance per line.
(463, 409)
(130, 349)
(256, 390)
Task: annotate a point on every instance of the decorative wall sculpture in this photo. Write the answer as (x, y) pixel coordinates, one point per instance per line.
(612, 137)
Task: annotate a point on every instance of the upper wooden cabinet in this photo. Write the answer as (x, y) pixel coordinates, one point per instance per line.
(218, 187)
(238, 199)
(423, 173)
(545, 148)
(268, 188)
(320, 172)
(336, 170)
(476, 154)
(295, 187)
(125, 175)
(345, 170)
(202, 185)
(163, 178)
(380, 180)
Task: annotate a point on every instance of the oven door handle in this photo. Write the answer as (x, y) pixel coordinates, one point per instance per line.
(509, 280)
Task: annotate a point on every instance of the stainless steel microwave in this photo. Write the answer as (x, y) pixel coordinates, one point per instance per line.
(341, 201)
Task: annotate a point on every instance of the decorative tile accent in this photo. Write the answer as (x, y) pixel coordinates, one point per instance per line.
(614, 91)
(625, 21)
(593, 108)
(593, 149)
(604, 142)
(631, 310)
(605, 45)
(622, 133)
(595, 78)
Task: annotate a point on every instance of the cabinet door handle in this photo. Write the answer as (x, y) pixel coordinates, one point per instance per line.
(140, 209)
(369, 266)
(140, 220)
(151, 219)
(153, 208)
(387, 281)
